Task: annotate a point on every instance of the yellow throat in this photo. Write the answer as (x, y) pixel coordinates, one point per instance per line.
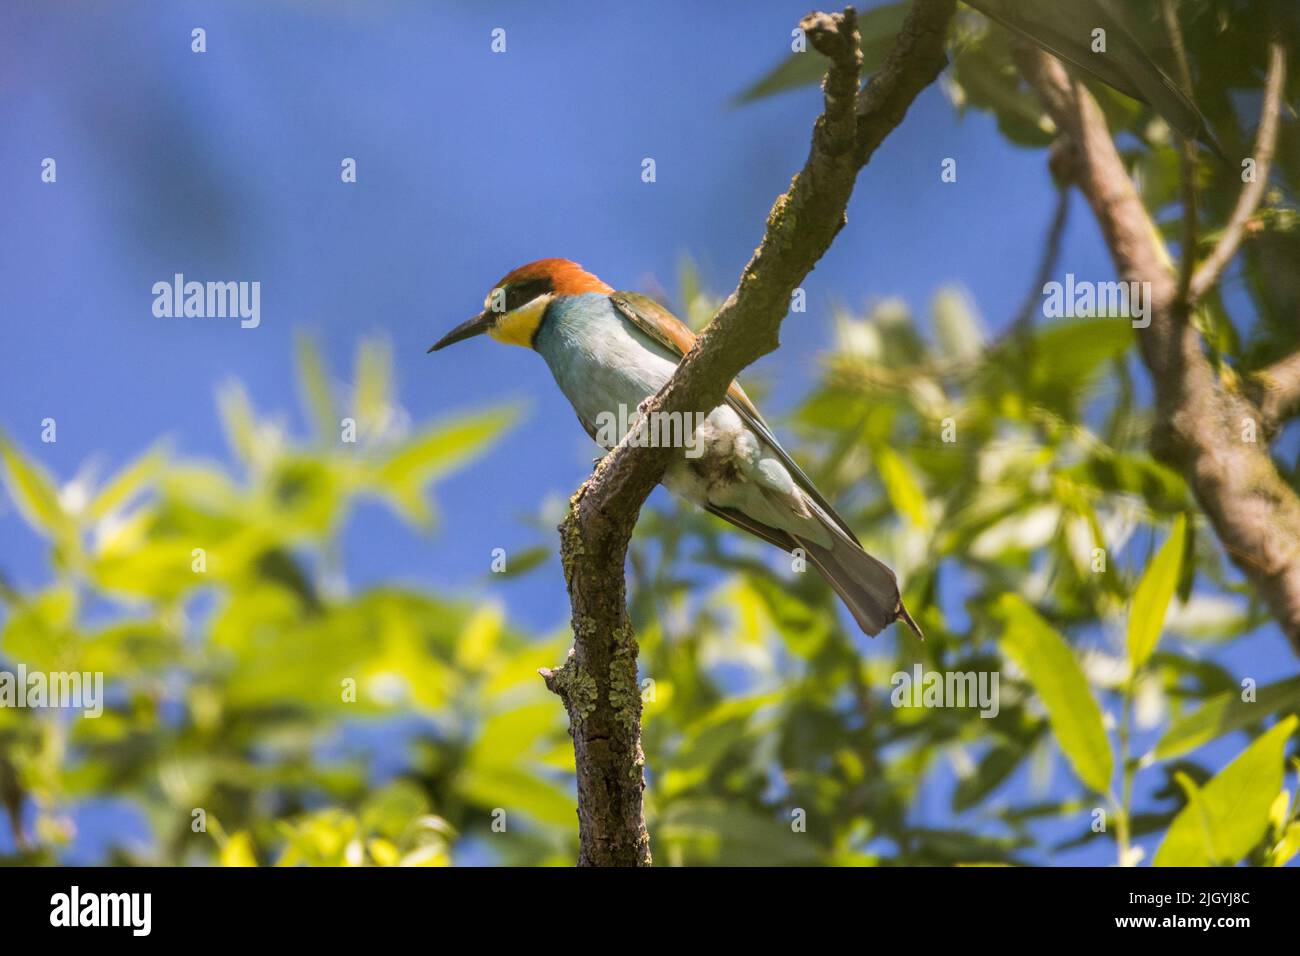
(519, 326)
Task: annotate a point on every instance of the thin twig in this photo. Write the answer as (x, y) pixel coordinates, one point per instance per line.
(1024, 320)
(1187, 162)
(1253, 193)
(1276, 390)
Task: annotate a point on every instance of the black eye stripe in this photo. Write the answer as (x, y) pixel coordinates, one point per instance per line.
(520, 293)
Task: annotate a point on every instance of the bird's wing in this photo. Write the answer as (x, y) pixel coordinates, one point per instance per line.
(1065, 30)
(744, 522)
(669, 331)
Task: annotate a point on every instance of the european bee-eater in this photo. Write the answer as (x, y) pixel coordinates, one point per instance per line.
(610, 351)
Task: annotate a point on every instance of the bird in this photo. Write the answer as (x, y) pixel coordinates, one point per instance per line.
(610, 350)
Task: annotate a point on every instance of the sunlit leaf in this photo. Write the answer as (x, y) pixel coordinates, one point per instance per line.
(34, 492)
(238, 851)
(480, 637)
(314, 388)
(401, 477)
(1287, 847)
(1146, 618)
(514, 789)
(905, 494)
(131, 481)
(1051, 668)
(1224, 713)
(373, 387)
(239, 421)
(1226, 817)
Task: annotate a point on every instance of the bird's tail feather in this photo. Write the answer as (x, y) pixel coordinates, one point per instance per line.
(866, 586)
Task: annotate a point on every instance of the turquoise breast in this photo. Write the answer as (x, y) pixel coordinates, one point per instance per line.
(600, 360)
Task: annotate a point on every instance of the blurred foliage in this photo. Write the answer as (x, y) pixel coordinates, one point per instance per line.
(241, 667)
(1006, 480)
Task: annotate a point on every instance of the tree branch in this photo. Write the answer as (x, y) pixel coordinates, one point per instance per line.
(1265, 143)
(1203, 428)
(1276, 390)
(598, 683)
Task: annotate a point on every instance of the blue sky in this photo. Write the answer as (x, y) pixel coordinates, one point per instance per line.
(225, 166)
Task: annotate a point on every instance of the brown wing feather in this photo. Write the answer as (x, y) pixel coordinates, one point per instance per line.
(670, 332)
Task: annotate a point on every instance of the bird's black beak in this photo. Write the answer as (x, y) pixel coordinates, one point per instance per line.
(466, 330)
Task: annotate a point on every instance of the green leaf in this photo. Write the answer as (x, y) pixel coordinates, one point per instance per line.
(129, 482)
(1224, 820)
(238, 420)
(373, 387)
(314, 389)
(984, 77)
(1069, 352)
(1051, 668)
(520, 563)
(389, 811)
(306, 493)
(507, 737)
(1224, 713)
(994, 768)
(956, 325)
(877, 29)
(40, 632)
(904, 493)
(517, 790)
(441, 448)
(238, 851)
(1120, 471)
(804, 627)
(35, 493)
(1146, 616)
(1287, 847)
(706, 831)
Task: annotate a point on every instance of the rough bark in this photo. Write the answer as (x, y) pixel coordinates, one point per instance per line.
(1206, 427)
(598, 683)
